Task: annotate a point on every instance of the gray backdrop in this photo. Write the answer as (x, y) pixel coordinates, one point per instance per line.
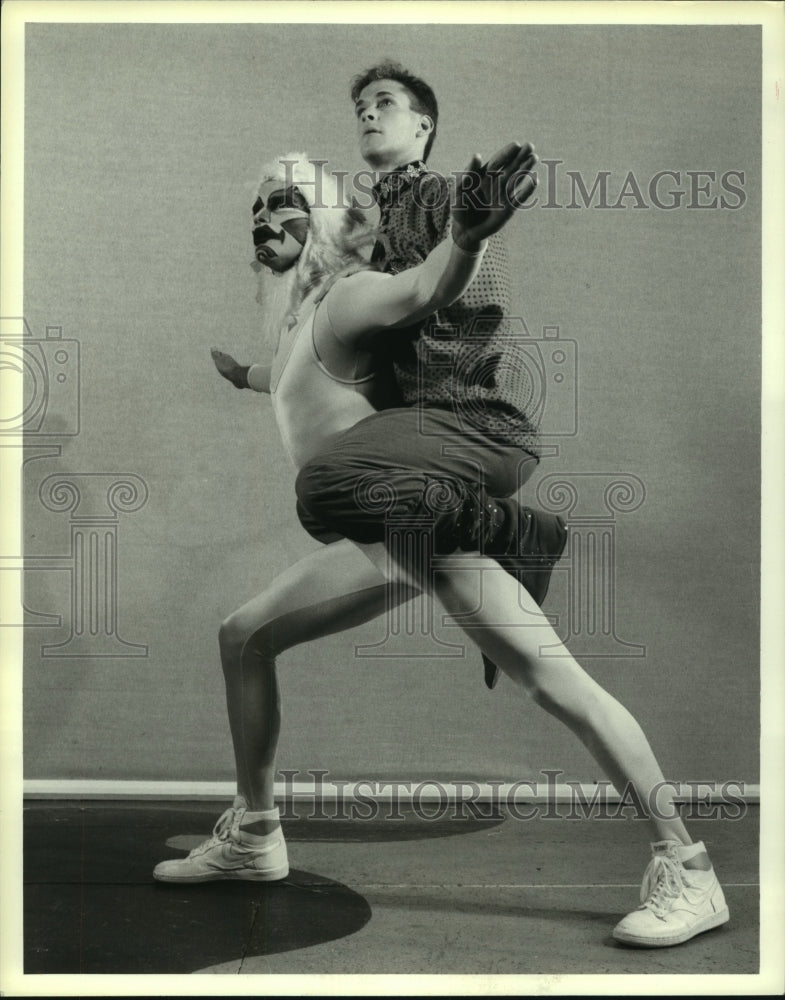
(142, 144)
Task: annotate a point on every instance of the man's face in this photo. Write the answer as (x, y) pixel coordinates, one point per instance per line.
(280, 225)
(387, 126)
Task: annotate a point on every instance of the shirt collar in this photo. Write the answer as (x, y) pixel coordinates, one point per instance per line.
(397, 181)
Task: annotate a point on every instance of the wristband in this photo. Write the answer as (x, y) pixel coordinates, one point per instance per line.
(471, 254)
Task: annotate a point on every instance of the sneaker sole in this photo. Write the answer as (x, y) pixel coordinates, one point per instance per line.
(707, 924)
(232, 875)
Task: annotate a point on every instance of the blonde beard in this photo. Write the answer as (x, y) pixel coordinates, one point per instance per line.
(275, 293)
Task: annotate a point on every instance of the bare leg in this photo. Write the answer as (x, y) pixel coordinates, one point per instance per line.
(680, 894)
(329, 591)
(557, 682)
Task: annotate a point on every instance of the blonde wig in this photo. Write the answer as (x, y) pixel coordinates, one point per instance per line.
(338, 236)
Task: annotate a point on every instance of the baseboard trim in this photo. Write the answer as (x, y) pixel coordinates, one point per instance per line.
(376, 790)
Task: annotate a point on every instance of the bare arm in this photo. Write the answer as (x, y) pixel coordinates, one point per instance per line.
(368, 301)
(487, 197)
(256, 377)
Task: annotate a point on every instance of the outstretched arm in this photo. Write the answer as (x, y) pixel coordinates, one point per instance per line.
(486, 198)
(256, 377)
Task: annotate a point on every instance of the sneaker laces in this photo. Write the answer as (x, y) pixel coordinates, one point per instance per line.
(662, 883)
(221, 831)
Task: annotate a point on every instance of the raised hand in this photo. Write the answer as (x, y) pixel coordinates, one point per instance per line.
(488, 194)
(230, 369)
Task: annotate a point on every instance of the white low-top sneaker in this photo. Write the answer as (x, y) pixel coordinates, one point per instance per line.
(676, 902)
(229, 854)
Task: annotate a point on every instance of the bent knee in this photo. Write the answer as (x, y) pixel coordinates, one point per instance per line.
(543, 697)
(242, 635)
(574, 706)
(231, 632)
(236, 631)
(529, 675)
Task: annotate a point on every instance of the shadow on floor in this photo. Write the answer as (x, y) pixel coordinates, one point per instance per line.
(468, 895)
(91, 905)
(124, 929)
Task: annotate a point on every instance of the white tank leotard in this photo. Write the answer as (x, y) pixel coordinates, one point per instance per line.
(310, 403)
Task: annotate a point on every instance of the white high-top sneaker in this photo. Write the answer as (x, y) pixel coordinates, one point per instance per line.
(231, 854)
(676, 902)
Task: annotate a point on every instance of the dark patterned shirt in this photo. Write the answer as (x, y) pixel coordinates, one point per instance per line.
(463, 357)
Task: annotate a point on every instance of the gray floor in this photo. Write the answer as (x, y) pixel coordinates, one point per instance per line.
(468, 896)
